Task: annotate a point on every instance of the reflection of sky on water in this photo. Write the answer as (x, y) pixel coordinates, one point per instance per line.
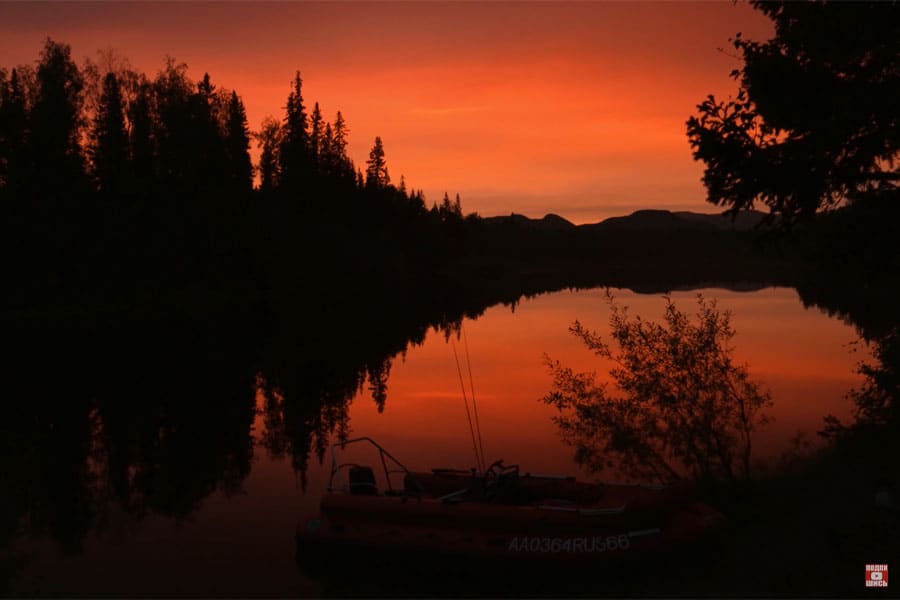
(802, 355)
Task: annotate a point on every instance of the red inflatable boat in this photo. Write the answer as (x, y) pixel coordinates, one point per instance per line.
(499, 512)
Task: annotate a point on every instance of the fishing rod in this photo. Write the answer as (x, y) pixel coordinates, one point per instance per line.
(476, 445)
(462, 326)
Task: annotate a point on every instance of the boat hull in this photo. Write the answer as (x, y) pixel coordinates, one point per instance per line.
(515, 533)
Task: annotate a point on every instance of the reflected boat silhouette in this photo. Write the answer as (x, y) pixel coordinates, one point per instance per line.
(498, 512)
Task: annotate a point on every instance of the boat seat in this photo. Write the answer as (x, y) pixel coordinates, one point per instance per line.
(362, 481)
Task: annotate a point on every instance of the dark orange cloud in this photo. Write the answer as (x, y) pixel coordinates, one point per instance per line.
(576, 108)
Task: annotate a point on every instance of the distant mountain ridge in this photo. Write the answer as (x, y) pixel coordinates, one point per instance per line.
(641, 220)
(549, 222)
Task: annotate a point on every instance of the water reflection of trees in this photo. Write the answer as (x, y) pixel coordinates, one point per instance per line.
(146, 418)
(306, 388)
(868, 302)
(141, 417)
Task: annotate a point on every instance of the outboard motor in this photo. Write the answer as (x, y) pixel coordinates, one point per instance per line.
(362, 481)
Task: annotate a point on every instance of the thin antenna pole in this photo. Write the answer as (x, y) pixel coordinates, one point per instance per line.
(478, 461)
(472, 389)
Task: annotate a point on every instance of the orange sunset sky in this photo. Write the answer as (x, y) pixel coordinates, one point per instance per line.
(572, 108)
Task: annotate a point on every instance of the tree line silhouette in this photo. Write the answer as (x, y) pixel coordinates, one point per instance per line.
(813, 125)
(117, 181)
(118, 188)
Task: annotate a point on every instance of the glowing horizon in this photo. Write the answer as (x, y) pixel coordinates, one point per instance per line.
(576, 109)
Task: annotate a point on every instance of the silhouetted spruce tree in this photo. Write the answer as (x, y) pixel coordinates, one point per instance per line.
(376, 167)
(237, 142)
(316, 133)
(340, 135)
(294, 154)
(211, 170)
(327, 160)
(140, 139)
(109, 148)
(343, 166)
(417, 199)
(269, 141)
(56, 124)
(446, 208)
(173, 129)
(13, 127)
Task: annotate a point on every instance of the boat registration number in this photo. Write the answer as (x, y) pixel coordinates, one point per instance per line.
(610, 543)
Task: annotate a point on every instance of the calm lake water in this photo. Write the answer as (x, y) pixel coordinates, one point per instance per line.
(241, 542)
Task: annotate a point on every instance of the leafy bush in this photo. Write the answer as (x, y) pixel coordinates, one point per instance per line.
(683, 407)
